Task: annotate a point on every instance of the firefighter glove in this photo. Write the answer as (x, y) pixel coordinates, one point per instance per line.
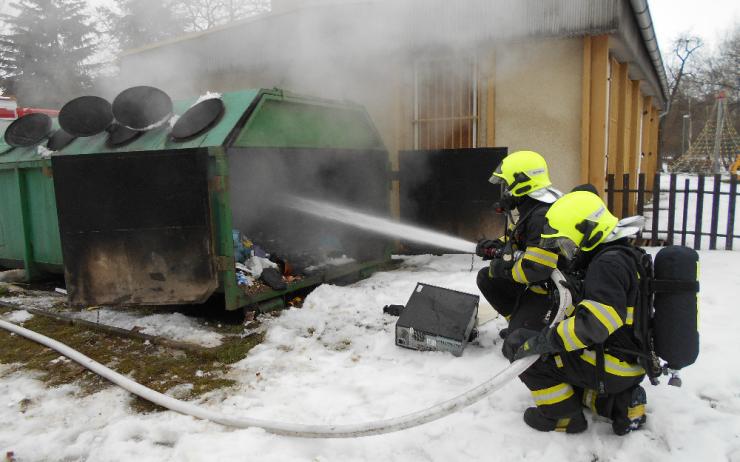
(502, 264)
(526, 342)
(487, 248)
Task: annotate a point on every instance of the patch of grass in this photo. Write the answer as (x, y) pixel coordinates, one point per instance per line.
(154, 366)
(236, 349)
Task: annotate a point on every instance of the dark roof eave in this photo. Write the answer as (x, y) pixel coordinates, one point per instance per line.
(644, 20)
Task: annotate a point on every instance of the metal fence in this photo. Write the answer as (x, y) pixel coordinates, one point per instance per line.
(693, 210)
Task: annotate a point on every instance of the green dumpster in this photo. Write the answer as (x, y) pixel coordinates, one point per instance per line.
(151, 221)
(29, 233)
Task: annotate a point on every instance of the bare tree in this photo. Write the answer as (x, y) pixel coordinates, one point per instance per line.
(695, 79)
(205, 14)
(721, 70)
(683, 48)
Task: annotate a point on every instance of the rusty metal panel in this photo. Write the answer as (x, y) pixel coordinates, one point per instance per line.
(136, 227)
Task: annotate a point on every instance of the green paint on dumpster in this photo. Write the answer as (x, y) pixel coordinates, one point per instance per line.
(29, 231)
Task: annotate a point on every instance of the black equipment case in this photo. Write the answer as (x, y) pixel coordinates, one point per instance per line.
(437, 319)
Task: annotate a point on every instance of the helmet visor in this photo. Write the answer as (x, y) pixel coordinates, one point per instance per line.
(497, 176)
(560, 244)
(554, 241)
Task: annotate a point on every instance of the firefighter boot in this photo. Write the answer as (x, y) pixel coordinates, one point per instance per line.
(629, 411)
(503, 333)
(572, 424)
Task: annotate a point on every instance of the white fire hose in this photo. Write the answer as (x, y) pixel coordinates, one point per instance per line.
(302, 430)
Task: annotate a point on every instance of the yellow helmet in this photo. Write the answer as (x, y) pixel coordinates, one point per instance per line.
(578, 220)
(523, 172)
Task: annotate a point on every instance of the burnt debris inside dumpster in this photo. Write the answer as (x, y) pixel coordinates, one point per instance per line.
(259, 270)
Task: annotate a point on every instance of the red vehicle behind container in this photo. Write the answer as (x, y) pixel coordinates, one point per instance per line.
(9, 111)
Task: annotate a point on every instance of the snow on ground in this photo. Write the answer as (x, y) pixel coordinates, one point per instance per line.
(39, 302)
(17, 317)
(334, 361)
(173, 326)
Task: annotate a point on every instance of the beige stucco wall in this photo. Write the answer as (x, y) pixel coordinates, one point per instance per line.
(538, 103)
(537, 93)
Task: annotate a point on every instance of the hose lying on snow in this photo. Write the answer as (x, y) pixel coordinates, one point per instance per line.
(302, 430)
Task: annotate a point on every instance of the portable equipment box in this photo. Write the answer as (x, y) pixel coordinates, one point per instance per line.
(437, 319)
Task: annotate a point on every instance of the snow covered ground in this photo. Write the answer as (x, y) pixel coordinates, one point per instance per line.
(334, 361)
(173, 326)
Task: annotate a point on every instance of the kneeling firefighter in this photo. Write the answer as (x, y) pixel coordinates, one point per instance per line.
(589, 357)
(516, 282)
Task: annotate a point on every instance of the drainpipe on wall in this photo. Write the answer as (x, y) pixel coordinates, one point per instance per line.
(645, 23)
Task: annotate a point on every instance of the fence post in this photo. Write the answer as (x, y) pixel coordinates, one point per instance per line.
(641, 194)
(731, 213)
(715, 212)
(640, 198)
(625, 195)
(656, 209)
(699, 212)
(610, 192)
(685, 215)
(671, 208)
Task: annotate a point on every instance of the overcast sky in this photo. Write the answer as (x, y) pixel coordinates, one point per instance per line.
(711, 20)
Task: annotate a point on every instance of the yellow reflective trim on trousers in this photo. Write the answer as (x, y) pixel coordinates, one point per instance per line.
(636, 412)
(567, 331)
(518, 273)
(562, 424)
(558, 361)
(552, 395)
(589, 399)
(543, 257)
(630, 315)
(607, 315)
(613, 365)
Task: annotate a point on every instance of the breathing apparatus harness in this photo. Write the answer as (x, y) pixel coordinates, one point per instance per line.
(665, 317)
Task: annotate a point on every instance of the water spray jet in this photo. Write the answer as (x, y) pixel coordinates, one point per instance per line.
(377, 224)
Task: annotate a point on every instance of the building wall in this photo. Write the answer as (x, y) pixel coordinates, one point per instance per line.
(545, 94)
(538, 86)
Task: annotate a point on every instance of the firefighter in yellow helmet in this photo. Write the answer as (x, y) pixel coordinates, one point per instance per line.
(516, 282)
(587, 359)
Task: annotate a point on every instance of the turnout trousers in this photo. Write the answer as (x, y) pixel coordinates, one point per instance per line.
(562, 383)
(521, 306)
